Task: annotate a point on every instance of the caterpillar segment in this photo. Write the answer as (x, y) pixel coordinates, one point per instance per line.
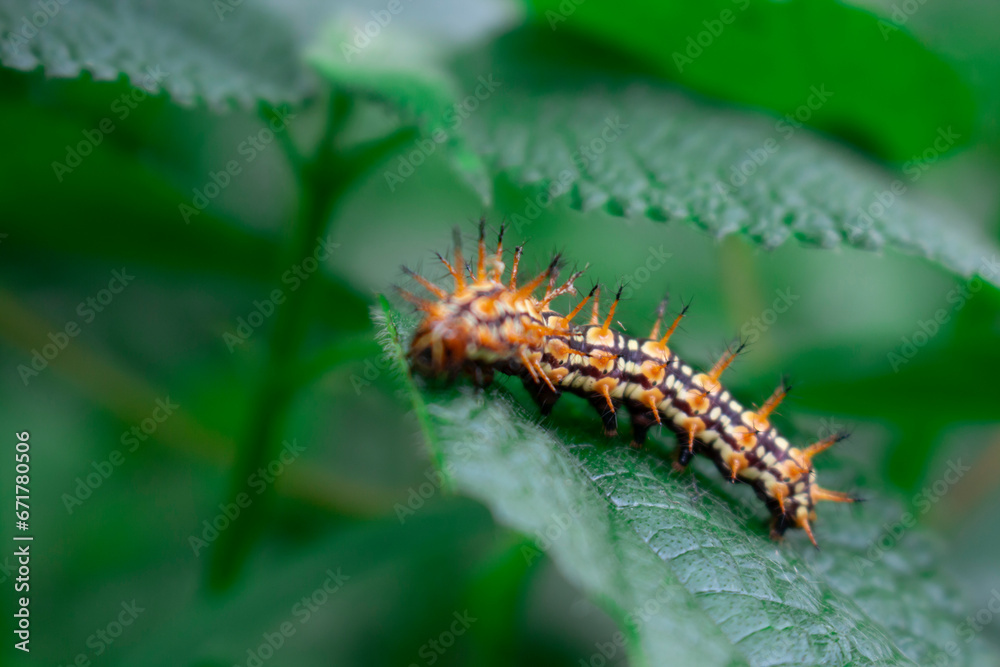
(485, 325)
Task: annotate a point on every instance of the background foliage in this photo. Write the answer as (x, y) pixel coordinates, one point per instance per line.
(839, 159)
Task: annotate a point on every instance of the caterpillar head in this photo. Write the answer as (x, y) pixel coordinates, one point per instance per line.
(479, 325)
(484, 321)
(439, 345)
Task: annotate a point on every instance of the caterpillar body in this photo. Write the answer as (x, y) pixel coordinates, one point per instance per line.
(486, 325)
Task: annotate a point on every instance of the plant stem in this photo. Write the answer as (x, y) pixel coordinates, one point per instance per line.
(323, 177)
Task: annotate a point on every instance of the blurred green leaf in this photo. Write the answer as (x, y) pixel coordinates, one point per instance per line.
(498, 589)
(966, 31)
(689, 579)
(891, 93)
(217, 52)
(132, 216)
(385, 566)
(408, 75)
(632, 147)
(403, 71)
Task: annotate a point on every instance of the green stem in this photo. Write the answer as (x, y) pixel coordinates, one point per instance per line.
(323, 177)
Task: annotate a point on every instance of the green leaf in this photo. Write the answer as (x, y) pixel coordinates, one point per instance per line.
(218, 52)
(403, 71)
(633, 147)
(133, 217)
(891, 93)
(374, 557)
(964, 31)
(691, 577)
(408, 75)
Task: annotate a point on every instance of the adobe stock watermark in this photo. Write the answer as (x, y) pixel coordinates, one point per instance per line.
(913, 169)
(432, 650)
(225, 7)
(614, 651)
(131, 439)
(828, 426)
(923, 501)
(247, 151)
(121, 108)
(967, 631)
(87, 310)
(900, 13)
(656, 259)
(30, 25)
(976, 623)
(609, 132)
(559, 15)
(292, 279)
(302, 612)
(257, 482)
(534, 205)
(365, 34)
(929, 328)
(741, 172)
(7, 570)
(371, 371)
(424, 147)
(102, 639)
(555, 527)
(746, 507)
(417, 496)
(696, 44)
(752, 329)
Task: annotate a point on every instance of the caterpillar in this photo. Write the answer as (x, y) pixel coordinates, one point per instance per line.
(486, 324)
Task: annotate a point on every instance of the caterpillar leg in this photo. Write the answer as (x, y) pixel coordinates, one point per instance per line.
(609, 417)
(643, 417)
(641, 423)
(686, 439)
(684, 456)
(644, 410)
(481, 377)
(779, 524)
(544, 397)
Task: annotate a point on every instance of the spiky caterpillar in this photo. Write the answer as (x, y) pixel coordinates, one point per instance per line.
(485, 325)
